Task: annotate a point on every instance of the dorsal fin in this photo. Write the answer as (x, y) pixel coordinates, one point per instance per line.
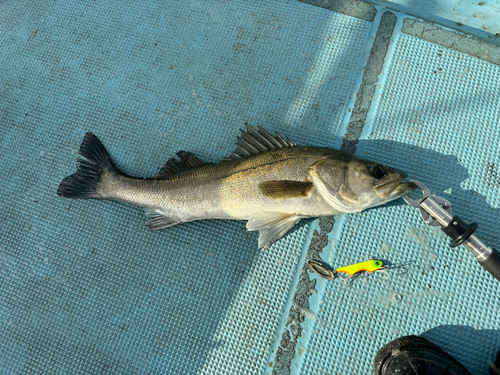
(254, 141)
(187, 161)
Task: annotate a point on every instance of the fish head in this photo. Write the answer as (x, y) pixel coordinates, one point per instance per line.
(352, 184)
(374, 184)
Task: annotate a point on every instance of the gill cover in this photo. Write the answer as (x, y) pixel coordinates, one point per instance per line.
(328, 176)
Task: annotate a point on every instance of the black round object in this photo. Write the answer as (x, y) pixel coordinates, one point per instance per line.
(413, 355)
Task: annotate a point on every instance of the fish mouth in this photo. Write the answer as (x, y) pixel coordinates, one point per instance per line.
(403, 189)
(396, 189)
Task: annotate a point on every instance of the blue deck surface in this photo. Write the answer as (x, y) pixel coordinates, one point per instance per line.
(86, 288)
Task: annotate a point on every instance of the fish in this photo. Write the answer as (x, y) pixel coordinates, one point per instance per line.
(269, 181)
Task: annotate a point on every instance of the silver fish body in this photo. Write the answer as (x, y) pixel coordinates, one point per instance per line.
(270, 182)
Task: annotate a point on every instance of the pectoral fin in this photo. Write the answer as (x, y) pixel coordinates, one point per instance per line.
(286, 189)
(272, 226)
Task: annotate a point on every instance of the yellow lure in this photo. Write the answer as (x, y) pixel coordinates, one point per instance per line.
(369, 266)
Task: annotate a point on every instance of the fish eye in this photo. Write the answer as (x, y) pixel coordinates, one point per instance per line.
(377, 263)
(377, 171)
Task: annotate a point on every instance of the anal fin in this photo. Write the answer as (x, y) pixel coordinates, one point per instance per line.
(271, 225)
(158, 220)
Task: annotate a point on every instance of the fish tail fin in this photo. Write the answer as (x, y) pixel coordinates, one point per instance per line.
(84, 183)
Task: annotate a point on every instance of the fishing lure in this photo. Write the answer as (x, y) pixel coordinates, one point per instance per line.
(326, 272)
(371, 265)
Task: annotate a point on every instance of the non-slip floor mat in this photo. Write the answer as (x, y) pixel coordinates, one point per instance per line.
(85, 287)
(436, 117)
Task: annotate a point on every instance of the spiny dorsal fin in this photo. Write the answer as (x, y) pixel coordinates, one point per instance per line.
(187, 161)
(254, 141)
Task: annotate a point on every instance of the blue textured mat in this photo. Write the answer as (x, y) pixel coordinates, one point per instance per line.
(85, 288)
(436, 117)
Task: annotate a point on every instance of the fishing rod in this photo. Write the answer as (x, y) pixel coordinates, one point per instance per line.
(436, 211)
